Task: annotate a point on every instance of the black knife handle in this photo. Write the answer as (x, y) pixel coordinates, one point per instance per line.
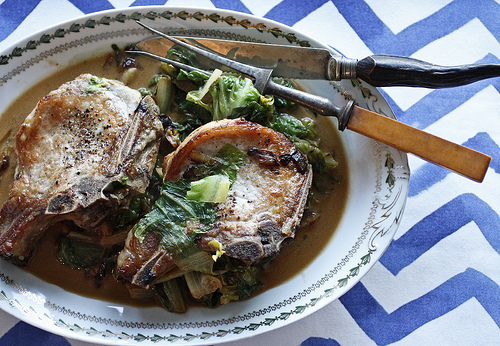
(390, 70)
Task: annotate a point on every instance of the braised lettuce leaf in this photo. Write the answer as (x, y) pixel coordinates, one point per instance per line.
(175, 219)
(234, 97)
(171, 216)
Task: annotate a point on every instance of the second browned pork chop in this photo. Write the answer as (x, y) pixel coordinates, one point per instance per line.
(263, 208)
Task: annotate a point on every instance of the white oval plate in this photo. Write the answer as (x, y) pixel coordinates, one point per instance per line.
(379, 178)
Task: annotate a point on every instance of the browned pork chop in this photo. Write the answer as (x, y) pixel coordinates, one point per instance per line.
(79, 143)
(263, 208)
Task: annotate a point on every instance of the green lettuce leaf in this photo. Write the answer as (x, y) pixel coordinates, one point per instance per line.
(234, 97)
(170, 217)
(175, 219)
(213, 188)
(291, 126)
(227, 162)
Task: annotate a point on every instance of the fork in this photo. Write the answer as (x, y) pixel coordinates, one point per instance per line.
(457, 158)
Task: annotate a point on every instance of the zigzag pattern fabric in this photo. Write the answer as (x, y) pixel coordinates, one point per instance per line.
(438, 283)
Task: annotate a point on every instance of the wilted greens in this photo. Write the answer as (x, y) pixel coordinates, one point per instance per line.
(170, 216)
(96, 84)
(234, 97)
(179, 212)
(173, 210)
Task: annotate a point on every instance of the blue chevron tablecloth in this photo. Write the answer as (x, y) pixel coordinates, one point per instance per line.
(438, 282)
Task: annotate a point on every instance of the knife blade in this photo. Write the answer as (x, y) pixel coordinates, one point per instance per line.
(285, 61)
(317, 63)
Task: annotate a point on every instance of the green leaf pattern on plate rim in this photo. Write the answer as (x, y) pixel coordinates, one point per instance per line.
(152, 15)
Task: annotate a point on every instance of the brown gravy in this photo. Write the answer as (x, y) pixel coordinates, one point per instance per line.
(296, 256)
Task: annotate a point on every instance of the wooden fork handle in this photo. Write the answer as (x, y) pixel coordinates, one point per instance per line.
(458, 158)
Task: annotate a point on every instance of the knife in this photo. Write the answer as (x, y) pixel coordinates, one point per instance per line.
(316, 63)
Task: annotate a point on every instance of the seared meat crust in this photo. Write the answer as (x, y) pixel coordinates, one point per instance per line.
(266, 202)
(263, 208)
(73, 146)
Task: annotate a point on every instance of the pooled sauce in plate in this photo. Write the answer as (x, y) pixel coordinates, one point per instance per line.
(295, 257)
